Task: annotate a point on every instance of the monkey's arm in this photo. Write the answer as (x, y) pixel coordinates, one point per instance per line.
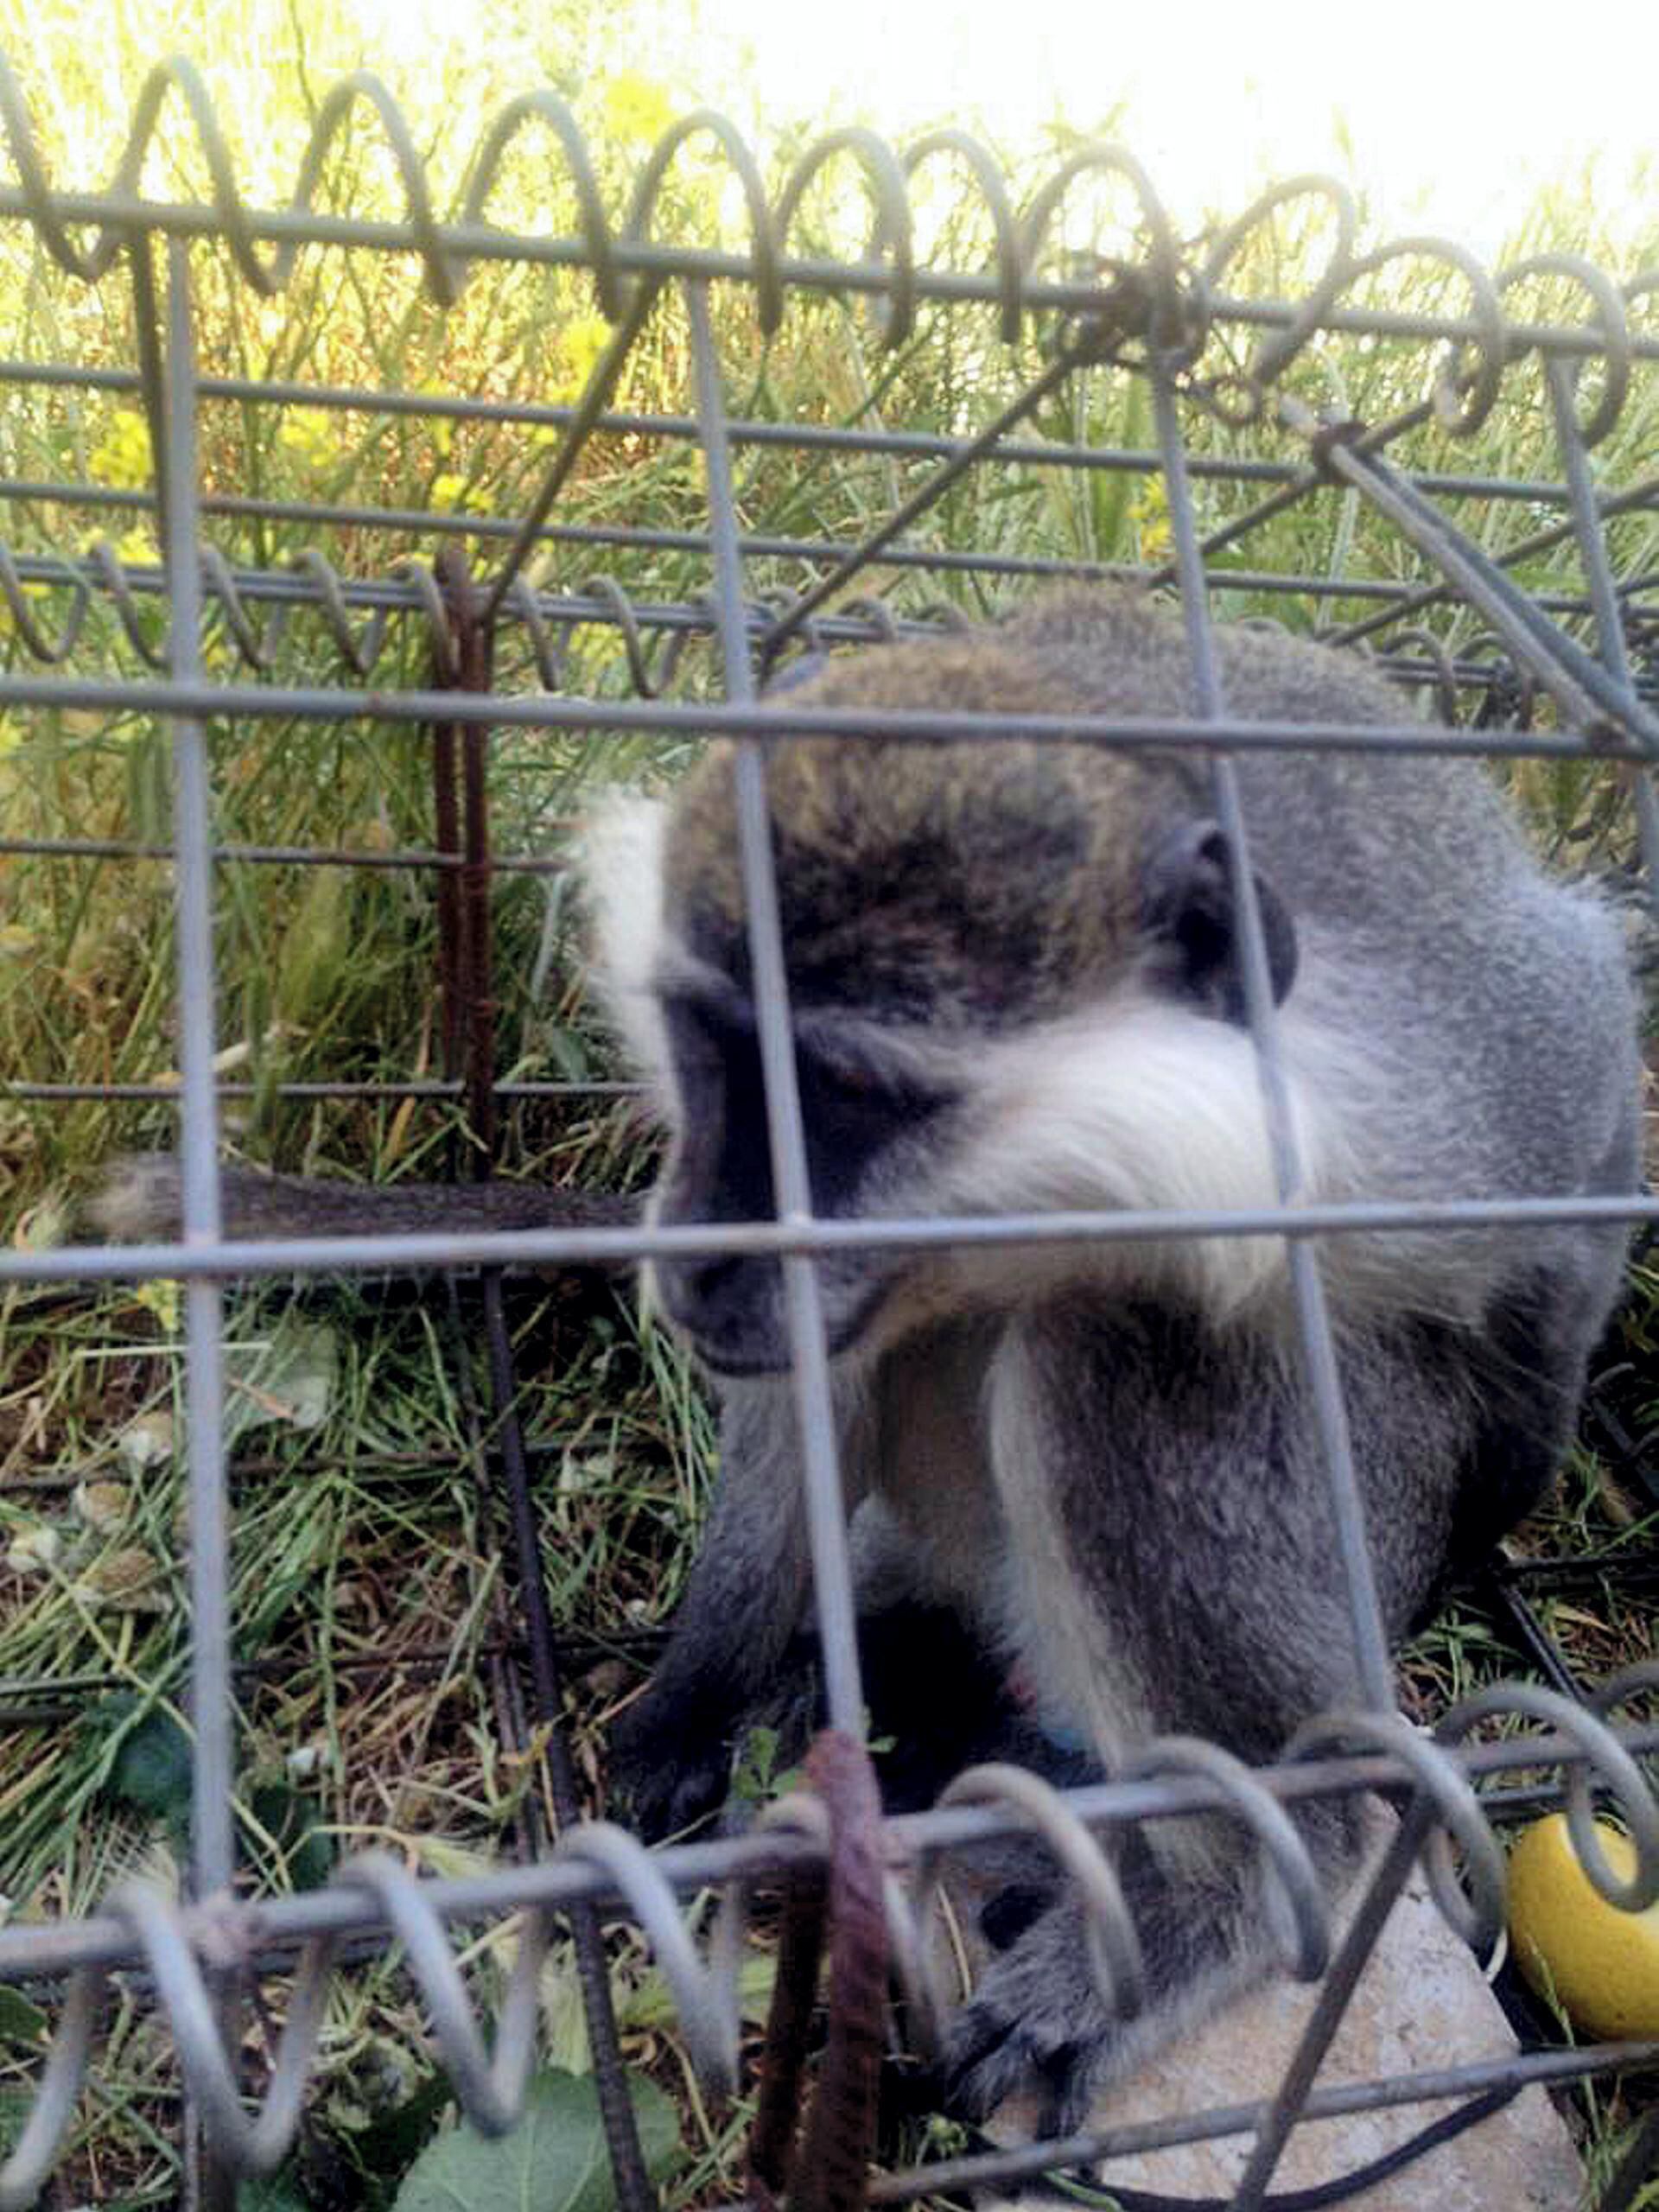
(141, 1201)
(734, 1657)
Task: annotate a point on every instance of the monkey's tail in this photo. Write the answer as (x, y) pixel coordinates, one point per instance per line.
(140, 1201)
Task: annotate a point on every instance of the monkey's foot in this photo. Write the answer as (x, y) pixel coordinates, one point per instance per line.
(1038, 2025)
(1037, 2022)
(1420, 1986)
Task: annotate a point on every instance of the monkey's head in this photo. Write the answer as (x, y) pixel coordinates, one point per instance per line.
(1014, 984)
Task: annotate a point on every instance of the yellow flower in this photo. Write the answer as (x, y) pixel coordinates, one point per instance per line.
(136, 549)
(581, 342)
(309, 436)
(450, 493)
(161, 1297)
(1149, 511)
(635, 111)
(122, 458)
(32, 590)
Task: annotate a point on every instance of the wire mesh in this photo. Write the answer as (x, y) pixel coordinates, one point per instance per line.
(463, 627)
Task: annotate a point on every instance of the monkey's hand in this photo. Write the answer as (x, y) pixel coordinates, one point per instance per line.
(669, 1765)
(675, 1754)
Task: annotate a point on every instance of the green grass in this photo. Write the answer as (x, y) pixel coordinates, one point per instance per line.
(374, 1619)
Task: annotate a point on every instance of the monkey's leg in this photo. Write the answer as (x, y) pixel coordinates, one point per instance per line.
(141, 1201)
(1171, 1535)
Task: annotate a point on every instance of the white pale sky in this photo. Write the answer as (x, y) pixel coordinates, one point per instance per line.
(1452, 111)
(1449, 114)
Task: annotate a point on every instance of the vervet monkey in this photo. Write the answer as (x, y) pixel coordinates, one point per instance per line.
(1015, 983)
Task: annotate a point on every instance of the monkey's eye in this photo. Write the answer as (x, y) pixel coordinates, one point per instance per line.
(852, 1111)
(860, 1095)
(854, 1082)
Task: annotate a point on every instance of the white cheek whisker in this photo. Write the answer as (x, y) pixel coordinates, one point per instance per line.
(621, 864)
(1141, 1105)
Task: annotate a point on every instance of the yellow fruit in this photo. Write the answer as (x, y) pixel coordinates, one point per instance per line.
(1601, 1964)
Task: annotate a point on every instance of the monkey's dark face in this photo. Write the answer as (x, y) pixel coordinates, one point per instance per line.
(864, 1114)
(928, 1087)
(927, 902)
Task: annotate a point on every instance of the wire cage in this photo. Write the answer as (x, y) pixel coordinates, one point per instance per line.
(1123, 400)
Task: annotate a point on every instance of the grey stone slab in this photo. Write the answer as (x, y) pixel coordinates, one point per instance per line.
(1421, 2003)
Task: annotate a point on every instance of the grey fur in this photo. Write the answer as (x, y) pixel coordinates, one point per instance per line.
(1087, 1455)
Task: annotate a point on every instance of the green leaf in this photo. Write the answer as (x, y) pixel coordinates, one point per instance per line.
(755, 1770)
(270, 2193)
(553, 2161)
(387, 2146)
(287, 1818)
(15, 2105)
(311, 1861)
(567, 1054)
(756, 1774)
(20, 2021)
(151, 1770)
(288, 1375)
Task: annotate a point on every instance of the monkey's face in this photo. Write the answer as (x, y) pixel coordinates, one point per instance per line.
(929, 905)
(1013, 986)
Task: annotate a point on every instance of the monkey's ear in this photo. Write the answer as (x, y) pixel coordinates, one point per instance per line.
(1191, 916)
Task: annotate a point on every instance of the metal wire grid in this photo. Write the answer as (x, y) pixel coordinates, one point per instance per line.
(1151, 311)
